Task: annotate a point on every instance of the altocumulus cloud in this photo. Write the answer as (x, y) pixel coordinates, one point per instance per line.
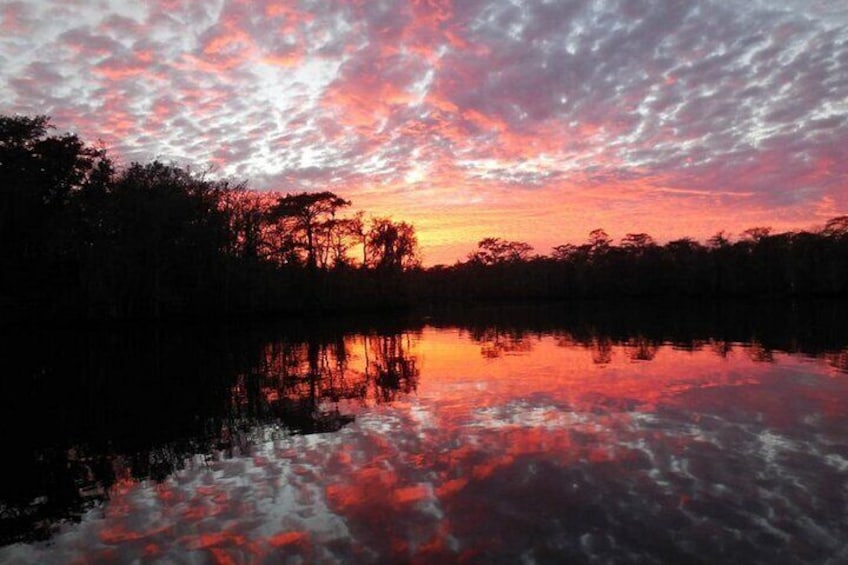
(569, 114)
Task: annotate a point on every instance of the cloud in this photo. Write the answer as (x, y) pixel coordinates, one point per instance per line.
(573, 106)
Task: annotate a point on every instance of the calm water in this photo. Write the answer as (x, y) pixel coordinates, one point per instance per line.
(508, 438)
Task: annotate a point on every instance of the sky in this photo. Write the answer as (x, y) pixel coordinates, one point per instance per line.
(536, 121)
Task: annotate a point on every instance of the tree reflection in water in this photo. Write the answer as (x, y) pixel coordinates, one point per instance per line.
(641, 348)
(303, 384)
(634, 415)
(838, 360)
(107, 410)
(389, 366)
(496, 342)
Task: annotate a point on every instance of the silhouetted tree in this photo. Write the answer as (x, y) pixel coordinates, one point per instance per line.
(340, 236)
(79, 237)
(599, 241)
(246, 215)
(756, 234)
(637, 241)
(494, 250)
(164, 236)
(41, 176)
(306, 216)
(392, 246)
(565, 252)
(719, 240)
(836, 227)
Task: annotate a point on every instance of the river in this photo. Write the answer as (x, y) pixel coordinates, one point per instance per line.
(495, 437)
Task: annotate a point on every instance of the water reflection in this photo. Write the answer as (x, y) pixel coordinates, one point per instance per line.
(838, 360)
(303, 384)
(485, 441)
(496, 342)
(390, 366)
(96, 411)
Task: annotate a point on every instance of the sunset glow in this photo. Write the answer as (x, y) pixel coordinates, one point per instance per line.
(534, 121)
(505, 437)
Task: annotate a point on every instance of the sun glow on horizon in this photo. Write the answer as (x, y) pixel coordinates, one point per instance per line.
(537, 122)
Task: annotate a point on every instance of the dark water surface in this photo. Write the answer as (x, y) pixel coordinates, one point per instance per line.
(548, 434)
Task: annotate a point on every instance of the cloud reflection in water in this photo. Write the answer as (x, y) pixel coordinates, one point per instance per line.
(550, 451)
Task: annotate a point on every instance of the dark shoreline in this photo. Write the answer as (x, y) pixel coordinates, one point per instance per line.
(78, 397)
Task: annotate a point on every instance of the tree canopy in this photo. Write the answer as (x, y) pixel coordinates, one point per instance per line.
(83, 238)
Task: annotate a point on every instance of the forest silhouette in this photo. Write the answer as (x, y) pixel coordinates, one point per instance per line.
(82, 239)
(87, 410)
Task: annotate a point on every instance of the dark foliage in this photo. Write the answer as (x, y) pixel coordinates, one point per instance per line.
(82, 240)
(761, 264)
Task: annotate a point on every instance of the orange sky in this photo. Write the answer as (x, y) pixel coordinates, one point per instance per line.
(531, 121)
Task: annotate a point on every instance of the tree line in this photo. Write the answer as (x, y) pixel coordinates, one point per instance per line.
(758, 264)
(81, 238)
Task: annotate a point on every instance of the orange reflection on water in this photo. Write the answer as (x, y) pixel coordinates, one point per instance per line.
(457, 368)
(484, 444)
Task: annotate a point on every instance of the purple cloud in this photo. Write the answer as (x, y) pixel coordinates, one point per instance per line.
(581, 102)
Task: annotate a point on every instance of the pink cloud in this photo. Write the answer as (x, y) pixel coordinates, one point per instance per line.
(560, 116)
(12, 18)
